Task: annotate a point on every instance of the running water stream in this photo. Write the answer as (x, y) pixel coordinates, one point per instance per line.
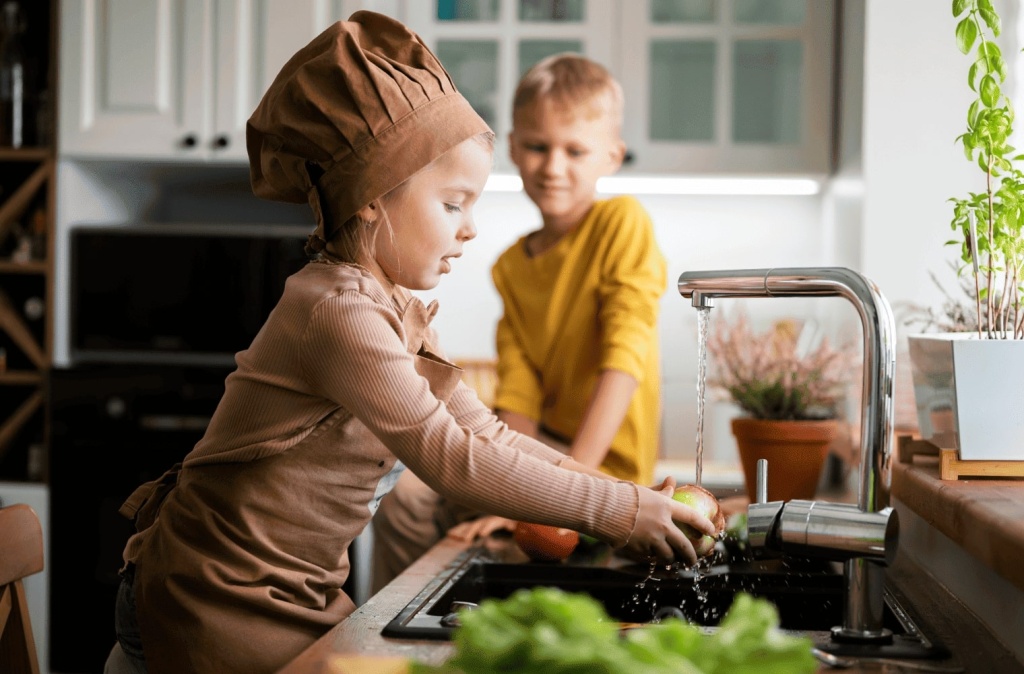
(672, 571)
(703, 320)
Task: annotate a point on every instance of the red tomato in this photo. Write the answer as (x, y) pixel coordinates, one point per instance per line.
(543, 543)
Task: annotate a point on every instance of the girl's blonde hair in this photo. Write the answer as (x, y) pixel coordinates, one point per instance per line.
(571, 82)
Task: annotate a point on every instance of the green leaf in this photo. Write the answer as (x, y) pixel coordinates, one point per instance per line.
(991, 19)
(966, 34)
(959, 6)
(989, 91)
(990, 51)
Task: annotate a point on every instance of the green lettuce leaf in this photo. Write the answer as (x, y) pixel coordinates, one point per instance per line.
(548, 631)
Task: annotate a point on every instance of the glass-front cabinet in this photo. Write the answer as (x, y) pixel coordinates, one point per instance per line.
(712, 86)
(486, 45)
(729, 86)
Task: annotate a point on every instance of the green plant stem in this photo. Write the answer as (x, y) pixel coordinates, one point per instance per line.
(991, 238)
(973, 232)
(1004, 309)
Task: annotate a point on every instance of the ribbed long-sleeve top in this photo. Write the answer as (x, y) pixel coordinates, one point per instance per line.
(340, 350)
(588, 304)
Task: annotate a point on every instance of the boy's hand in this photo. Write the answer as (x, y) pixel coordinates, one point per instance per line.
(480, 527)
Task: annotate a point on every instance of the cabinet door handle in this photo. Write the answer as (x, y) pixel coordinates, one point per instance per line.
(221, 141)
(189, 140)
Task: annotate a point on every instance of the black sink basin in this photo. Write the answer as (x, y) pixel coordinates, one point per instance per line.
(807, 593)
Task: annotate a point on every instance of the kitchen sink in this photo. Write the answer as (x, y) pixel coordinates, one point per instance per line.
(807, 593)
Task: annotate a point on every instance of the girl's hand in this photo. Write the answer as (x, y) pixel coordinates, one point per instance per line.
(480, 527)
(656, 535)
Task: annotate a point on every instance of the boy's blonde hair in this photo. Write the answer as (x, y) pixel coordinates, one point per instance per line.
(573, 83)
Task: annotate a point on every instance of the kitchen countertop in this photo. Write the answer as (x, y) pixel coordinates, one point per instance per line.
(984, 516)
(938, 613)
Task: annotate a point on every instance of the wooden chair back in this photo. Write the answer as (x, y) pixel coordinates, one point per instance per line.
(480, 374)
(21, 555)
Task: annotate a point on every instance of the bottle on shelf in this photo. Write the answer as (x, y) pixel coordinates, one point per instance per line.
(12, 76)
(38, 234)
(34, 309)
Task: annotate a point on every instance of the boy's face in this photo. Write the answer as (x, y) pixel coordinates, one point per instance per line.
(431, 217)
(560, 155)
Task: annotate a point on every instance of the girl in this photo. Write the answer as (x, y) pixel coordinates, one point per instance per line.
(241, 555)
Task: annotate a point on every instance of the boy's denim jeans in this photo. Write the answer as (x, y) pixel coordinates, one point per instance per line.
(131, 659)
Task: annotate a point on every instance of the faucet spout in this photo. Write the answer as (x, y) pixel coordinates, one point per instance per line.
(864, 572)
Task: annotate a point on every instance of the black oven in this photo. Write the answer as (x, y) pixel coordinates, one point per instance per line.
(157, 315)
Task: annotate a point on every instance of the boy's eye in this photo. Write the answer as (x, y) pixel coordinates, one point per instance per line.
(576, 153)
(453, 208)
(535, 147)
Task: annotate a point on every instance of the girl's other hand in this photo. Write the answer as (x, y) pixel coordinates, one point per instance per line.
(480, 527)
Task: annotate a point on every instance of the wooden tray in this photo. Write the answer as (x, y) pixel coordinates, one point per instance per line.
(951, 467)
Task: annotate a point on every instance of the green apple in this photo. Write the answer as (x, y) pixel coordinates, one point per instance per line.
(706, 504)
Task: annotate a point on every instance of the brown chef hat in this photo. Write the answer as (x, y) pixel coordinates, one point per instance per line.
(357, 111)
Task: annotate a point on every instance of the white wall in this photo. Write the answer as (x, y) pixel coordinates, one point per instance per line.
(693, 233)
(915, 105)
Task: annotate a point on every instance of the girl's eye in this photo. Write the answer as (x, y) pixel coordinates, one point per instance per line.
(534, 147)
(577, 153)
(453, 208)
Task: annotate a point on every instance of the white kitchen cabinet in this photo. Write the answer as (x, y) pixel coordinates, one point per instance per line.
(711, 86)
(174, 79)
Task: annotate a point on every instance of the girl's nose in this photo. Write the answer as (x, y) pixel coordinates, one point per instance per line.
(468, 230)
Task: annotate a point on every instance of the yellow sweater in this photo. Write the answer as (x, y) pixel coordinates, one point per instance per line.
(588, 304)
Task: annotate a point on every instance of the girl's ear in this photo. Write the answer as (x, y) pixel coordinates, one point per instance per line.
(368, 213)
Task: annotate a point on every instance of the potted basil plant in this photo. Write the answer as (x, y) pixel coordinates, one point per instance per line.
(967, 384)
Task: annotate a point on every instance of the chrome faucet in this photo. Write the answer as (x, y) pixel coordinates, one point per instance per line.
(864, 536)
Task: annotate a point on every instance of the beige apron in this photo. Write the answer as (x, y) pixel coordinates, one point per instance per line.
(244, 566)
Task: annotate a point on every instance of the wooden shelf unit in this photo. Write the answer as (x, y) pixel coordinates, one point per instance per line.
(27, 210)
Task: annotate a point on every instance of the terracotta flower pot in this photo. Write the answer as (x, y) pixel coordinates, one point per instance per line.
(795, 451)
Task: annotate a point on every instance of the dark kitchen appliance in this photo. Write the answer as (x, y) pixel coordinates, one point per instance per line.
(157, 314)
(188, 294)
(112, 428)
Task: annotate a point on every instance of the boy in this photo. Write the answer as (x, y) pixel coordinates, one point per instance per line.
(577, 345)
(578, 360)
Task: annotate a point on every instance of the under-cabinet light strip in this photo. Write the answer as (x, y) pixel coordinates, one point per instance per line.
(692, 186)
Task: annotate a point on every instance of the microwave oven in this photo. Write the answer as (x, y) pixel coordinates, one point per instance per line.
(176, 293)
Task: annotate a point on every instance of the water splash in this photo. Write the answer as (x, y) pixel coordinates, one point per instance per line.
(703, 321)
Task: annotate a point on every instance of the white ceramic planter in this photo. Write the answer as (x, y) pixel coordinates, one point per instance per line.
(969, 394)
